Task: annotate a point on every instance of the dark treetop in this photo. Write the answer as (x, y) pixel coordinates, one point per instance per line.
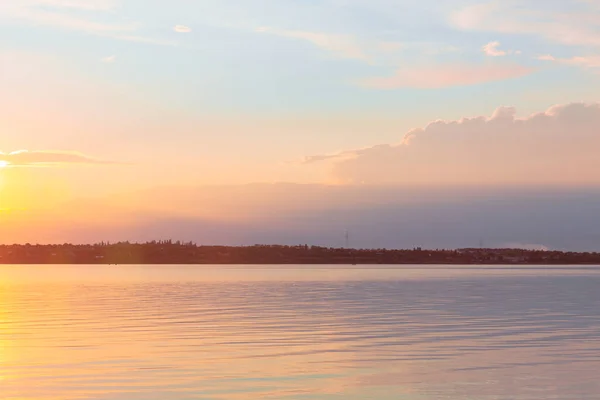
(169, 252)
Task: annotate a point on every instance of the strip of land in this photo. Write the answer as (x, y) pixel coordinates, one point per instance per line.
(170, 252)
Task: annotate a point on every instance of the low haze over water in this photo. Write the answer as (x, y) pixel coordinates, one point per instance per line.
(318, 332)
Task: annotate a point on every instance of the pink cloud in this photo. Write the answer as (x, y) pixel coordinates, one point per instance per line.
(557, 146)
(345, 46)
(492, 49)
(576, 27)
(546, 57)
(446, 76)
(585, 62)
(588, 62)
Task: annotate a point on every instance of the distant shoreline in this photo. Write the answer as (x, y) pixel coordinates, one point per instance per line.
(499, 265)
(179, 253)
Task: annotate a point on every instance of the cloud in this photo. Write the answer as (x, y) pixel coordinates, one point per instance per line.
(572, 23)
(546, 57)
(92, 5)
(586, 62)
(109, 59)
(556, 147)
(47, 158)
(366, 49)
(446, 76)
(333, 156)
(491, 49)
(143, 39)
(590, 62)
(58, 17)
(55, 14)
(182, 29)
(345, 46)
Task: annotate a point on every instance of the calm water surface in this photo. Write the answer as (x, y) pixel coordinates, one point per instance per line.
(415, 333)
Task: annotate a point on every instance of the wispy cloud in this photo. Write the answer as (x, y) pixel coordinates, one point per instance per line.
(589, 62)
(56, 14)
(367, 49)
(575, 26)
(446, 76)
(182, 29)
(47, 158)
(592, 62)
(59, 17)
(92, 5)
(333, 156)
(546, 57)
(109, 59)
(345, 46)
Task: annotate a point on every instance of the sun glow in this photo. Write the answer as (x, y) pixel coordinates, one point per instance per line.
(3, 164)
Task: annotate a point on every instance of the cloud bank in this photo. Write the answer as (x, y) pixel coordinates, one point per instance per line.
(46, 158)
(558, 146)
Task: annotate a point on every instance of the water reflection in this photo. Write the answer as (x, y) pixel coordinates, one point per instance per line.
(210, 333)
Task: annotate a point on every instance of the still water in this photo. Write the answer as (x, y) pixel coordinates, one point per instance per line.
(208, 332)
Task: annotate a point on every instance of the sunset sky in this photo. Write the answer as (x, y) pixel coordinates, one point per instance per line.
(105, 99)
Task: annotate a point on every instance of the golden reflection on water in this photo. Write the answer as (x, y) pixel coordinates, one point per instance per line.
(181, 333)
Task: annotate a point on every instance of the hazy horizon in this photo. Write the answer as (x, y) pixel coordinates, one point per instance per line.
(288, 214)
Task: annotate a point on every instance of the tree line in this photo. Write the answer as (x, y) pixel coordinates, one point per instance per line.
(178, 252)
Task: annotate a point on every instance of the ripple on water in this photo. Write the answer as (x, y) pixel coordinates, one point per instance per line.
(497, 336)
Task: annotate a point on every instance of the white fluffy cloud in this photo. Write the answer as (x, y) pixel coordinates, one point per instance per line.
(558, 146)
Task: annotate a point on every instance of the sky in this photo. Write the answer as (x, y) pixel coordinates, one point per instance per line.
(103, 100)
